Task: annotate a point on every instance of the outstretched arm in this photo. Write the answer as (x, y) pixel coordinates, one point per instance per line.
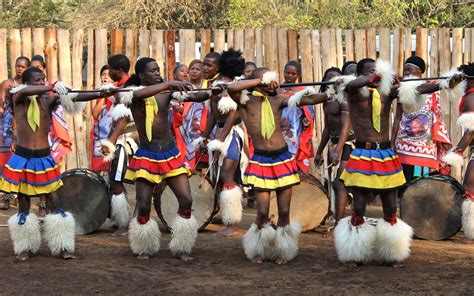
(152, 90)
(308, 96)
(343, 135)
(31, 90)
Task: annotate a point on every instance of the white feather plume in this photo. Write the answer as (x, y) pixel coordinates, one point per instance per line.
(226, 104)
(385, 70)
(127, 97)
(121, 111)
(269, 77)
(111, 147)
(341, 95)
(244, 97)
(457, 91)
(453, 158)
(409, 96)
(69, 105)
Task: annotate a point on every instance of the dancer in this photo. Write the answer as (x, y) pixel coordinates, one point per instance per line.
(31, 171)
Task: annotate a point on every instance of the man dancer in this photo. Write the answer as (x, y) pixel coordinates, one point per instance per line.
(455, 156)
(157, 160)
(31, 171)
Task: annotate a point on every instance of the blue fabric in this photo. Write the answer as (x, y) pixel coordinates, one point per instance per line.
(233, 152)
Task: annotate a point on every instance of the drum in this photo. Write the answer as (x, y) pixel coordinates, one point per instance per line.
(85, 194)
(309, 203)
(432, 206)
(204, 202)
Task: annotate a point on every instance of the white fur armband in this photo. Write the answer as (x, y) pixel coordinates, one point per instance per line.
(409, 96)
(216, 145)
(295, 99)
(458, 90)
(244, 97)
(71, 107)
(453, 157)
(127, 96)
(121, 111)
(269, 77)
(341, 95)
(180, 96)
(226, 104)
(106, 87)
(17, 88)
(466, 121)
(385, 70)
(198, 142)
(61, 88)
(111, 147)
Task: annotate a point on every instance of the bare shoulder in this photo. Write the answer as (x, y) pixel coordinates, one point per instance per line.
(469, 103)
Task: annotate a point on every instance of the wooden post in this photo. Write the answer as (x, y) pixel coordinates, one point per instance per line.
(158, 49)
(361, 44)
(332, 47)
(65, 74)
(467, 44)
(90, 59)
(339, 45)
(249, 45)
(456, 132)
(326, 49)
(100, 53)
(274, 49)
(187, 46)
(398, 50)
(384, 44)
(371, 43)
(219, 40)
(26, 49)
(282, 51)
(170, 62)
(15, 48)
(471, 44)
(422, 45)
(131, 39)
(316, 55)
(3, 55)
(444, 57)
(349, 34)
(306, 55)
(238, 39)
(266, 46)
(230, 38)
(82, 141)
(293, 45)
(408, 47)
(259, 47)
(38, 41)
(51, 54)
(116, 41)
(144, 43)
(205, 42)
(434, 57)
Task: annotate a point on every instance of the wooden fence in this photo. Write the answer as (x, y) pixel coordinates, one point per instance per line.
(76, 56)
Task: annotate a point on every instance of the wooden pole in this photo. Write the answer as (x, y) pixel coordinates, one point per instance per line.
(422, 45)
(339, 45)
(371, 43)
(158, 48)
(15, 48)
(249, 45)
(219, 40)
(170, 62)
(282, 51)
(38, 41)
(26, 49)
(293, 45)
(384, 44)
(361, 44)
(349, 35)
(230, 38)
(238, 39)
(3, 55)
(144, 43)
(51, 54)
(116, 41)
(90, 59)
(205, 42)
(131, 39)
(187, 41)
(100, 54)
(259, 47)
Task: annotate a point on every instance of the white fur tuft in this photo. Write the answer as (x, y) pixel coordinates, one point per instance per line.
(453, 158)
(409, 97)
(354, 243)
(269, 77)
(183, 235)
(180, 96)
(385, 70)
(364, 91)
(341, 95)
(17, 88)
(71, 107)
(121, 111)
(198, 142)
(26, 237)
(144, 238)
(259, 242)
(466, 121)
(120, 210)
(295, 99)
(59, 232)
(110, 155)
(468, 218)
(216, 145)
(106, 87)
(230, 203)
(286, 243)
(393, 241)
(244, 97)
(458, 90)
(61, 88)
(226, 104)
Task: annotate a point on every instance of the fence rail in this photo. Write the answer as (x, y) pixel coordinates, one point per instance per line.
(76, 56)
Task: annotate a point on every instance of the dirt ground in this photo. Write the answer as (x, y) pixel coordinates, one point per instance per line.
(105, 265)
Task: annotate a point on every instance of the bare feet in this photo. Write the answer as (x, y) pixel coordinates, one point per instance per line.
(120, 232)
(257, 260)
(229, 231)
(280, 261)
(23, 256)
(143, 257)
(398, 265)
(350, 264)
(184, 257)
(67, 255)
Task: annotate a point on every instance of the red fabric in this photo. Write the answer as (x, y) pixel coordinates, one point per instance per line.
(153, 167)
(4, 157)
(357, 220)
(306, 151)
(469, 196)
(122, 81)
(271, 171)
(388, 167)
(36, 179)
(180, 143)
(392, 219)
(463, 100)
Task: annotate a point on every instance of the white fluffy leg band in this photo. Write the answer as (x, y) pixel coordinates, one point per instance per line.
(259, 242)
(354, 243)
(393, 241)
(25, 237)
(286, 242)
(468, 218)
(120, 210)
(144, 238)
(59, 232)
(230, 202)
(183, 235)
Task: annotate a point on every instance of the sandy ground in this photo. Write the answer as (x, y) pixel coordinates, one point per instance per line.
(105, 265)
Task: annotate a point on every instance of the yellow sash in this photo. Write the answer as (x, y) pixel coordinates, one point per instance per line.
(33, 113)
(205, 82)
(376, 109)
(151, 108)
(267, 119)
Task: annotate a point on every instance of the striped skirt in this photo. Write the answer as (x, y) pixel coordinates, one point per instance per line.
(373, 169)
(271, 170)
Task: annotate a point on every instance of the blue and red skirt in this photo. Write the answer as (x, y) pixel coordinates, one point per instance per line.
(31, 172)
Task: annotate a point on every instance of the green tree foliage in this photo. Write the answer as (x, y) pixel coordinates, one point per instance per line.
(174, 14)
